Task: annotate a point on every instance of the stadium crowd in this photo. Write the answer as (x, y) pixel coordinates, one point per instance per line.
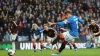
(27, 12)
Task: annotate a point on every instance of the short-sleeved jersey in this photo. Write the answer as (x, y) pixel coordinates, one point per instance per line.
(50, 32)
(36, 32)
(72, 24)
(94, 29)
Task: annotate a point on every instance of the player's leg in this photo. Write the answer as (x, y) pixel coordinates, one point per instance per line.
(34, 44)
(41, 44)
(64, 42)
(99, 41)
(55, 42)
(51, 43)
(70, 45)
(53, 46)
(61, 37)
(61, 48)
(67, 38)
(13, 37)
(73, 44)
(96, 41)
(48, 45)
(70, 39)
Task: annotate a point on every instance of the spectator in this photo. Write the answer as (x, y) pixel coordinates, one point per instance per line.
(18, 11)
(42, 11)
(26, 33)
(1, 37)
(82, 31)
(20, 32)
(1, 34)
(7, 36)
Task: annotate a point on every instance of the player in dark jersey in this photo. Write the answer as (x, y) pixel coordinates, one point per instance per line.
(95, 32)
(14, 30)
(36, 34)
(50, 34)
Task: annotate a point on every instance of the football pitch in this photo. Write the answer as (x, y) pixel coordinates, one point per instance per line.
(66, 52)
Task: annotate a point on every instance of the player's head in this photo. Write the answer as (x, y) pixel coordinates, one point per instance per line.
(93, 22)
(46, 26)
(35, 26)
(67, 14)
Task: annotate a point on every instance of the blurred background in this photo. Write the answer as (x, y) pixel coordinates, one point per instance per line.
(27, 12)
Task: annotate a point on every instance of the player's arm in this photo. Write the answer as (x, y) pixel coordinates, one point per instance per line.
(41, 32)
(59, 23)
(80, 20)
(15, 23)
(97, 33)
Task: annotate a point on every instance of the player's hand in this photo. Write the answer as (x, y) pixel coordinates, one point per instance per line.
(95, 34)
(50, 23)
(65, 21)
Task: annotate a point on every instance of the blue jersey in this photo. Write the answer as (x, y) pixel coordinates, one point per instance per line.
(72, 23)
(36, 32)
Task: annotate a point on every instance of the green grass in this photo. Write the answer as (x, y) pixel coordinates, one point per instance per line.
(66, 52)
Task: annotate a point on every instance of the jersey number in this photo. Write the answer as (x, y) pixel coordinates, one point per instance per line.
(77, 24)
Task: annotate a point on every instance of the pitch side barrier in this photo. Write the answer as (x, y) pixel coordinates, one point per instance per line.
(28, 45)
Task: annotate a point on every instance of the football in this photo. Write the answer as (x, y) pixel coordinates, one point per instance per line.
(11, 52)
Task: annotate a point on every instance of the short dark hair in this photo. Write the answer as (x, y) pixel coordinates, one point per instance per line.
(68, 11)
